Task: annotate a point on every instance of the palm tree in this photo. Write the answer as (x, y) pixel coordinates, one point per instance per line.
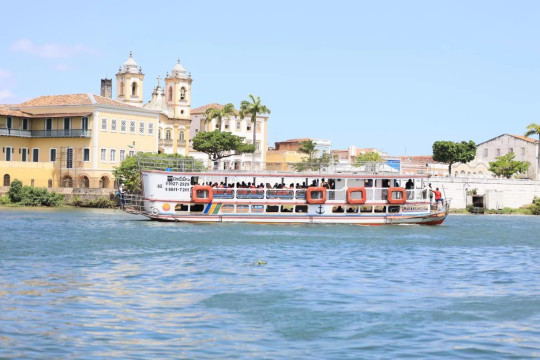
(534, 129)
(252, 109)
(308, 147)
(219, 114)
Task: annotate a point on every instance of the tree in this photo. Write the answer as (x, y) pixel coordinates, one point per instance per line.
(308, 148)
(369, 157)
(315, 163)
(534, 129)
(506, 166)
(452, 152)
(219, 145)
(129, 172)
(252, 109)
(219, 114)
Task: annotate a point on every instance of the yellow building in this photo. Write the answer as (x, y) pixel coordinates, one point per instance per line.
(72, 140)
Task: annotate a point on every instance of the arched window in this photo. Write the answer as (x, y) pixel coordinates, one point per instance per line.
(85, 182)
(134, 89)
(104, 182)
(182, 136)
(182, 93)
(7, 180)
(121, 88)
(67, 181)
(170, 93)
(168, 135)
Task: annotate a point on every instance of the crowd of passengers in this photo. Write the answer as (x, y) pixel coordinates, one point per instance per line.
(242, 185)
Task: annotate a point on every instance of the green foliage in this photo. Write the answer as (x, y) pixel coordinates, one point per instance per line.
(4, 200)
(469, 208)
(308, 148)
(219, 114)
(251, 109)
(535, 208)
(219, 145)
(371, 156)
(129, 172)
(316, 164)
(15, 191)
(30, 196)
(506, 166)
(452, 152)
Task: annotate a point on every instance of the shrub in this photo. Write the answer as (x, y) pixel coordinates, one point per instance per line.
(535, 209)
(4, 200)
(15, 191)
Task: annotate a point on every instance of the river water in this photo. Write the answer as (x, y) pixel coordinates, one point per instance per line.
(102, 284)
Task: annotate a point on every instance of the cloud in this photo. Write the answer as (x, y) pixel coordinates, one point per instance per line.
(51, 50)
(5, 94)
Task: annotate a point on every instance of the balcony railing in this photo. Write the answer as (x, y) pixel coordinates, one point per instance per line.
(46, 133)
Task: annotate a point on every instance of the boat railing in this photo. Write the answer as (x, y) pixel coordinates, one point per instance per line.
(133, 202)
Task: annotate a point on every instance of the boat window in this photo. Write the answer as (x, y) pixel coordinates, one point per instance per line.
(272, 208)
(301, 208)
(194, 180)
(366, 209)
(197, 208)
(287, 208)
(181, 207)
(393, 209)
(337, 209)
(242, 208)
(352, 209)
(368, 183)
(385, 183)
(379, 209)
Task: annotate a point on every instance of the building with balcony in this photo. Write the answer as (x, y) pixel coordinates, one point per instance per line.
(236, 126)
(72, 140)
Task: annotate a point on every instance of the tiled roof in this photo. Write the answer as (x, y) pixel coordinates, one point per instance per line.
(72, 99)
(8, 110)
(525, 138)
(418, 159)
(202, 109)
(293, 141)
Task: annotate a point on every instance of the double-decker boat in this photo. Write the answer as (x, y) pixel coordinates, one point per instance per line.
(174, 190)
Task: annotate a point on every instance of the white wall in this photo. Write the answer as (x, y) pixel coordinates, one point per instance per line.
(499, 193)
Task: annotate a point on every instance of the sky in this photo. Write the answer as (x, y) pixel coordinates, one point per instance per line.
(392, 75)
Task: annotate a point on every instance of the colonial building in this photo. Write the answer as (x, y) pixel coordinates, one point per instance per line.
(239, 127)
(71, 140)
(285, 154)
(173, 103)
(525, 149)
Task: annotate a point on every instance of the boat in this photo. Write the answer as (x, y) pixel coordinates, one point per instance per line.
(177, 190)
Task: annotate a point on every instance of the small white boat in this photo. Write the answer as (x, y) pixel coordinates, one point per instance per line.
(175, 192)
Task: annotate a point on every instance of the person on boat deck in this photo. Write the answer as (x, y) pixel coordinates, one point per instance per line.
(409, 185)
(122, 193)
(438, 197)
(339, 209)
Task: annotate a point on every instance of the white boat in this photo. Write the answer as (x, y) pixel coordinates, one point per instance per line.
(180, 192)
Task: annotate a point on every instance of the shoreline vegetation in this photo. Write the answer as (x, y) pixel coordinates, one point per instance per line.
(27, 196)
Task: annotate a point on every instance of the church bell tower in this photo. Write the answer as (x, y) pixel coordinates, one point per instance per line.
(178, 92)
(129, 83)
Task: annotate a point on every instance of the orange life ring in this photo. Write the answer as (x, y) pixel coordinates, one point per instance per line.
(398, 200)
(351, 190)
(318, 200)
(198, 191)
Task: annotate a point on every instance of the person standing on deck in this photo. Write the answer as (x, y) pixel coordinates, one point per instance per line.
(122, 193)
(438, 197)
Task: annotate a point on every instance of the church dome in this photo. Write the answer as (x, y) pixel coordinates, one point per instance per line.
(178, 71)
(130, 65)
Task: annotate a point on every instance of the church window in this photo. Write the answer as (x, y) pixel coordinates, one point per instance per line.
(150, 128)
(132, 126)
(182, 93)
(134, 89)
(170, 93)
(168, 135)
(121, 88)
(182, 136)
(141, 127)
(123, 125)
(103, 124)
(113, 124)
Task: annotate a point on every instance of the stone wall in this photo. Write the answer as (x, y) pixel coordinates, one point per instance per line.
(498, 193)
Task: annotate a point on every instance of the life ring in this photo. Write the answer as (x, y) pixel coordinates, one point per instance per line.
(202, 194)
(155, 211)
(352, 190)
(317, 199)
(400, 199)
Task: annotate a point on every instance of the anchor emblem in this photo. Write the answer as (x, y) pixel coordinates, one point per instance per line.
(320, 210)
